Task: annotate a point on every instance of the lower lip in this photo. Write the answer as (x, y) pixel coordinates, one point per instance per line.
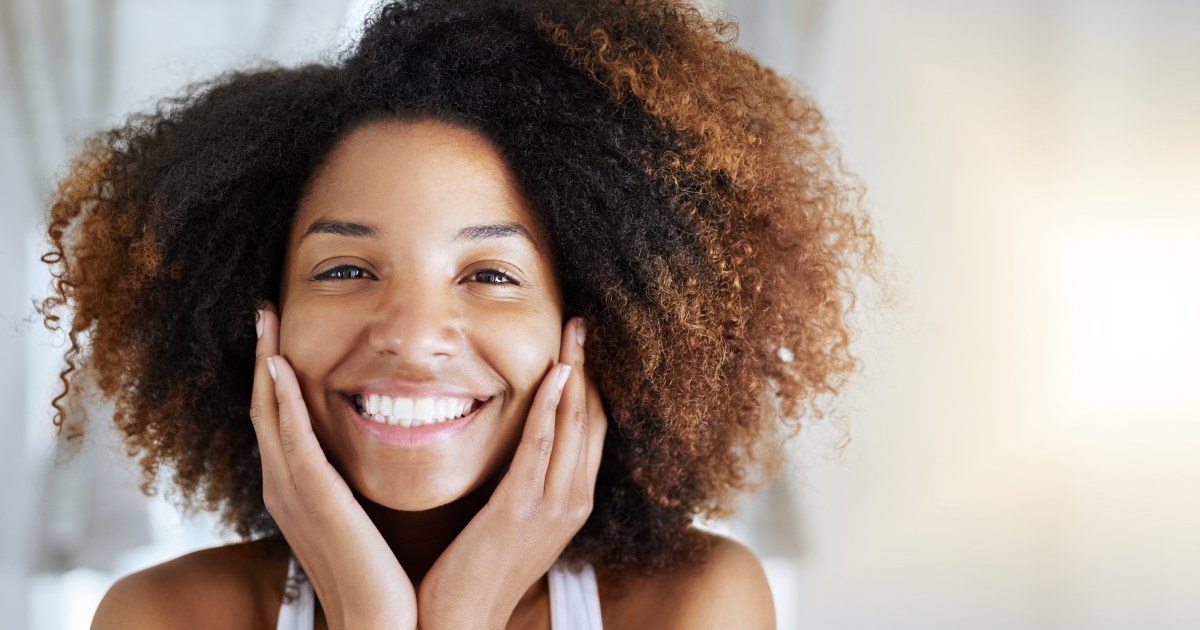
(424, 435)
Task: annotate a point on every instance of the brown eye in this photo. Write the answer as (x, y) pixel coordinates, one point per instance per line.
(493, 276)
(344, 272)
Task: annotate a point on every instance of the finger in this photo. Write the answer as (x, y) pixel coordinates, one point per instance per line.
(572, 414)
(296, 438)
(596, 431)
(529, 464)
(264, 413)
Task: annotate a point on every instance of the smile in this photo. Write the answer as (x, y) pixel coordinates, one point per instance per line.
(413, 412)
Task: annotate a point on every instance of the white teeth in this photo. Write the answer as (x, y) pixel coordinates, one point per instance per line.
(408, 412)
(403, 409)
(422, 411)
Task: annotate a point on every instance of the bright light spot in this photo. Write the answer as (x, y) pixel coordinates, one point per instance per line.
(1124, 316)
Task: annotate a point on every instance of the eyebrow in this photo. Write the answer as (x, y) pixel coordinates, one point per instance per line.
(499, 230)
(472, 233)
(342, 228)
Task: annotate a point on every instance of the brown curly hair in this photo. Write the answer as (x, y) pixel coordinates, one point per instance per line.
(699, 215)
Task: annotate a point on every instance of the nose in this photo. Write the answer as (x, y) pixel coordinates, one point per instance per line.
(417, 326)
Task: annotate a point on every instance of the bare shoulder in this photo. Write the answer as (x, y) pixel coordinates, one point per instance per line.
(729, 590)
(235, 586)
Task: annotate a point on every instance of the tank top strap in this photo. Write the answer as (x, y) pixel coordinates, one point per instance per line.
(297, 614)
(574, 598)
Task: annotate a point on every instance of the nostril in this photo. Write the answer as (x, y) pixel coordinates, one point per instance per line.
(417, 332)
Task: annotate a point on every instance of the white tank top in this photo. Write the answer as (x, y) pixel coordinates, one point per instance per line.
(574, 600)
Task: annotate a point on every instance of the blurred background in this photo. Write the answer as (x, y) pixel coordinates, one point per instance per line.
(1024, 439)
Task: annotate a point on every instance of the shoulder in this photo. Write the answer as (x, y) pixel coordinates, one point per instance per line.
(728, 590)
(235, 586)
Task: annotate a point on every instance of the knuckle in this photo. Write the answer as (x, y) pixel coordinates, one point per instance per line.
(256, 411)
(544, 444)
(573, 516)
(272, 502)
(579, 420)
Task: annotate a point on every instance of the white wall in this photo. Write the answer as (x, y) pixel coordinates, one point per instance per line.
(1025, 433)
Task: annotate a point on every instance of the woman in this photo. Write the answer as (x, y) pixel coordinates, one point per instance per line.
(533, 285)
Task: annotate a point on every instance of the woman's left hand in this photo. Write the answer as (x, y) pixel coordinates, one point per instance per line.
(539, 505)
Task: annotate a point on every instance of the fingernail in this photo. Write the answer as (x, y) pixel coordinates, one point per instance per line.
(258, 322)
(581, 331)
(563, 372)
(271, 368)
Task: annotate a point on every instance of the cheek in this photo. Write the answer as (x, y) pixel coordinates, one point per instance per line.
(523, 351)
(308, 347)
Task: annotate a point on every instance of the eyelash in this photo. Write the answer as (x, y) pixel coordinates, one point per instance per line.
(329, 275)
(502, 274)
(341, 269)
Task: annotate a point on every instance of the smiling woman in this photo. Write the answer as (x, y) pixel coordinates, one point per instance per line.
(512, 293)
(439, 298)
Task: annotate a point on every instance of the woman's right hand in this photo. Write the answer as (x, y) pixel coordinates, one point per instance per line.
(353, 571)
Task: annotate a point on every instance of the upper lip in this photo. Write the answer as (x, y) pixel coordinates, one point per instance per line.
(395, 389)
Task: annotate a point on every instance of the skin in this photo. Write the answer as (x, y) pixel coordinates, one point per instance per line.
(390, 282)
(430, 306)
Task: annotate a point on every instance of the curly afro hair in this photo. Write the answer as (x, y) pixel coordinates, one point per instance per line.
(698, 213)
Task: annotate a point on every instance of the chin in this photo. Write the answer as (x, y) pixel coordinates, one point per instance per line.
(421, 490)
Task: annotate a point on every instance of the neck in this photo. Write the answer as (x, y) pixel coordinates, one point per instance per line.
(418, 538)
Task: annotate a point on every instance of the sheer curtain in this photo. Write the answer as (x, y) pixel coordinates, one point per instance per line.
(69, 68)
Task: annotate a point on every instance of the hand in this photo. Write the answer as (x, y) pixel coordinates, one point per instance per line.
(353, 571)
(539, 505)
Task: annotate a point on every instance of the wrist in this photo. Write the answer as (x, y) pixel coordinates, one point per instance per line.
(375, 623)
(462, 623)
(367, 616)
(479, 613)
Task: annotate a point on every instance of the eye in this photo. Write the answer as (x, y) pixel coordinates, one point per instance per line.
(493, 276)
(344, 272)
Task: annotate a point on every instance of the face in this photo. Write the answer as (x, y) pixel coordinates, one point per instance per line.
(420, 311)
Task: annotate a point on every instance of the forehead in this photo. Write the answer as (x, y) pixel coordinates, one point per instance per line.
(423, 176)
